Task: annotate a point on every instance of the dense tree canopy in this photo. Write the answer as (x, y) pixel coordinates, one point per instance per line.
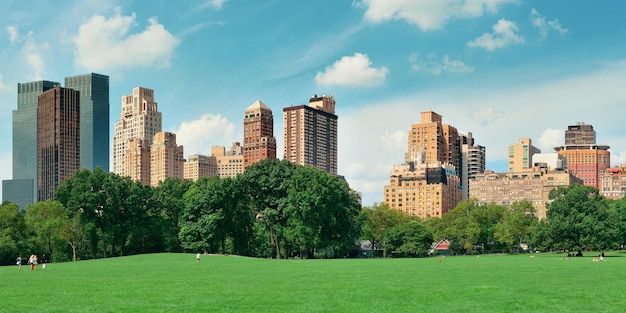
(279, 209)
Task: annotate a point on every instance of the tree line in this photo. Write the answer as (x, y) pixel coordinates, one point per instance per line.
(275, 209)
(278, 209)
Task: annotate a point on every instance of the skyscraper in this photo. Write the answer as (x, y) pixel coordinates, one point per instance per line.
(58, 139)
(258, 134)
(427, 184)
(139, 118)
(473, 159)
(440, 142)
(22, 189)
(94, 119)
(310, 133)
(166, 158)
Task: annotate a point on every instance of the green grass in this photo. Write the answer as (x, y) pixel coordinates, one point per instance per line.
(176, 283)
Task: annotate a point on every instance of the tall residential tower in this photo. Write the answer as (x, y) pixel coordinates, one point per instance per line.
(258, 134)
(310, 134)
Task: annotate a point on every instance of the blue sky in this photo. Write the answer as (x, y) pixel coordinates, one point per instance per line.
(501, 69)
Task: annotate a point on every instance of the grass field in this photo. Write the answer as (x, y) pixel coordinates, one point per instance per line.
(176, 283)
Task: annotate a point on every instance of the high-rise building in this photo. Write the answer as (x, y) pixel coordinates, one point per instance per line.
(198, 165)
(310, 134)
(139, 118)
(473, 159)
(22, 189)
(229, 163)
(166, 158)
(137, 160)
(521, 155)
(428, 184)
(258, 134)
(585, 158)
(58, 139)
(580, 133)
(531, 184)
(94, 119)
(440, 142)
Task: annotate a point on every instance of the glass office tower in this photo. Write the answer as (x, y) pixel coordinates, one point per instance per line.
(94, 119)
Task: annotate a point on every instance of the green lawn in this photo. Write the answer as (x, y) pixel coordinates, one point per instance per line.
(176, 283)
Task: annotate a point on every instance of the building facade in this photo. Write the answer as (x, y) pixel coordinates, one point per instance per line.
(258, 134)
(440, 142)
(94, 119)
(425, 190)
(584, 157)
(58, 139)
(473, 160)
(521, 155)
(22, 189)
(198, 165)
(533, 184)
(613, 182)
(140, 118)
(310, 134)
(166, 158)
(229, 162)
(137, 160)
(580, 133)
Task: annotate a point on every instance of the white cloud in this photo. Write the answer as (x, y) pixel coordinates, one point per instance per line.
(33, 53)
(428, 14)
(432, 65)
(103, 43)
(503, 35)
(486, 116)
(12, 31)
(549, 139)
(2, 85)
(393, 140)
(198, 136)
(216, 4)
(353, 71)
(545, 26)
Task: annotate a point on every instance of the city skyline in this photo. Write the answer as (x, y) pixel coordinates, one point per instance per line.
(502, 70)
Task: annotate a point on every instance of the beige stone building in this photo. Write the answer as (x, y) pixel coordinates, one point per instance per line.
(533, 184)
(613, 182)
(198, 165)
(229, 162)
(473, 160)
(440, 142)
(139, 118)
(310, 134)
(137, 160)
(521, 155)
(423, 189)
(166, 158)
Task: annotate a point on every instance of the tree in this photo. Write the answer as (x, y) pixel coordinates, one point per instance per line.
(322, 212)
(12, 230)
(169, 202)
(266, 186)
(47, 219)
(412, 238)
(376, 221)
(518, 224)
(577, 218)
